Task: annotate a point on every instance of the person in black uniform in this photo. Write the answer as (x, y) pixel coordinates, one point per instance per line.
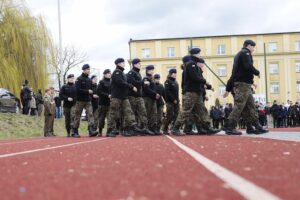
(84, 90)
(242, 80)
(103, 92)
(172, 100)
(120, 105)
(135, 98)
(68, 94)
(150, 98)
(160, 102)
(95, 101)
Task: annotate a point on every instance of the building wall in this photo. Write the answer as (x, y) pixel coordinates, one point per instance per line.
(285, 56)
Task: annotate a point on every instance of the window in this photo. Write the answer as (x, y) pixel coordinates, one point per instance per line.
(222, 90)
(274, 88)
(298, 67)
(222, 70)
(297, 46)
(171, 52)
(273, 68)
(221, 49)
(298, 86)
(146, 53)
(272, 47)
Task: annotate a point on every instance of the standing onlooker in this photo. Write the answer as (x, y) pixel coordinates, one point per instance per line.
(26, 97)
(275, 113)
(49, 112)
(33, 106)
(58, 113)
(268, 114)
(39, 102)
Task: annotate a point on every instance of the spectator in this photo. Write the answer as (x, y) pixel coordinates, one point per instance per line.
(58, 113)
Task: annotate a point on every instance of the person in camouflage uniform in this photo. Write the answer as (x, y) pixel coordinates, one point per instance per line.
(49, 112)
(84, 90)
(241, 82)
(150, 98)
(160, 102)
(68, 94)
(120, 105)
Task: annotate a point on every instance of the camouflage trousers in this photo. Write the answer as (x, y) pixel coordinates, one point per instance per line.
(69, 114)
(151, 108)
(120, 108)
(172, 115)
(160, 115)
(139, 110)
(103, 113)
(243, 104)
(49, 123)
(194, 110)
(80, 105)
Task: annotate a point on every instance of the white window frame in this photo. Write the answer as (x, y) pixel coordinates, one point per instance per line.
(273, 69)
(298, 86)
(297, 46)
(221, 49)
(297, 66)
(274, 88)
(222, 70)
(171, 52)
(273, 47)
(146, 53)
(222, 90)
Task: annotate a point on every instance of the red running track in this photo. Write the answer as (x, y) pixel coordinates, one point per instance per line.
(144, 168)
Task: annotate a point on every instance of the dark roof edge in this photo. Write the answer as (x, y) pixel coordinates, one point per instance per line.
(213, 36)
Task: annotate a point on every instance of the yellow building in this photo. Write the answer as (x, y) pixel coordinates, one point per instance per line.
(282, 76)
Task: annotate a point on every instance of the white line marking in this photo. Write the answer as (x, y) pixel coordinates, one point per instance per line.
(244, 187)
(48, 148)
(21, 142)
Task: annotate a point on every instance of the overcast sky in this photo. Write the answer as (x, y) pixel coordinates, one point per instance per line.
(102, 28)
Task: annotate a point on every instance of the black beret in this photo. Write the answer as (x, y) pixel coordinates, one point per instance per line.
(107, 71)
(172, 71)
(85, 66)
(186, 59)
(119, 60)
(136, 61)
(156, 76)
(93, 76)
(195, 51)
(70, 76)
(251, 42)
(149, 67)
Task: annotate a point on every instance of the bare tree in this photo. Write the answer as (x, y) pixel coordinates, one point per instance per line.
(71, 58)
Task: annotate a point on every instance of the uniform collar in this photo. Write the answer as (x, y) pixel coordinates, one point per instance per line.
(120, 68)
(136, 69)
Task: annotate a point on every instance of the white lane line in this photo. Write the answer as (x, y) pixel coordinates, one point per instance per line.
(36, 140)
(244, 187)
(48, 148)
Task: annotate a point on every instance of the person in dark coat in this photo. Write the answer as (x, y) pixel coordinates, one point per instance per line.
(160, 102)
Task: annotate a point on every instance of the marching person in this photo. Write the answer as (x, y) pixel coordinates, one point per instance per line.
(242, 80)
(135, 98)
(68, 94)
(160, 102)
(120, 105)
(84, 90)
(103, 92)
(95, 101)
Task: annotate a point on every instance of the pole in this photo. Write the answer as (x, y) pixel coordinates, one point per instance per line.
(129, 43)
(266, 80)
(215, 75)
(60, 46)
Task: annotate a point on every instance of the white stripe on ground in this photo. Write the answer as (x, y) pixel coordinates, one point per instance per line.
(244, 187)
(286, 136)
(48, 148)
(26, 141)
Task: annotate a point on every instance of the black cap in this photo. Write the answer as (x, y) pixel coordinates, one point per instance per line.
(195, 51)
(119, 60)
(135, 61)
(156, 76)
(93, 76)
(149, 67)
(172, 71)
(186, 59)
(107, 71)
(85, 66)
(251, 42)
(70, 76)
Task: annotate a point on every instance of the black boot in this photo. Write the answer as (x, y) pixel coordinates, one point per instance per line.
(201, 131)
(111, 133)
(92, 131)
(157, 130)
(128, 132)
(147, 131)
(259, 128)
(75, 133)
(212, 131)
(175, 131)
(68, 132)
(230, 129)
(100, 132)
(188, 130)
(250, 130)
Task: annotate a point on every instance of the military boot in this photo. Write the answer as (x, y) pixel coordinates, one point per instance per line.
(68, 132)
(250, 130)
(188, 130)
(230, 128)
(259, 128)
(201, 131)
(111, 133)
(92, 131)
(147, 131)
(175, 131)
(75, 133)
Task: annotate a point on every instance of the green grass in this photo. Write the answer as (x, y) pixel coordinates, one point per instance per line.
(14, 126)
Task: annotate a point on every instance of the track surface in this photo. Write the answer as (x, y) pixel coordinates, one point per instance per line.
(149, 168)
